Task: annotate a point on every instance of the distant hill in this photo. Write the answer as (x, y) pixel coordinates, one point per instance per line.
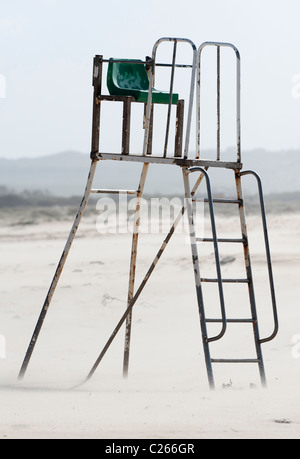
(61, 174)
(64, 174)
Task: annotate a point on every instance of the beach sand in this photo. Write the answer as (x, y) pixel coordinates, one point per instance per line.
(166, 394)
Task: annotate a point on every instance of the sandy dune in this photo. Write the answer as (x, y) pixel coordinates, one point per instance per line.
(166, 394)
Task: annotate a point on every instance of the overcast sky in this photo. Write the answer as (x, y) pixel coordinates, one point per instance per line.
(47, 49)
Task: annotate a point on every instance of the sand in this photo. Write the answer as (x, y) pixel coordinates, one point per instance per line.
(166, 394)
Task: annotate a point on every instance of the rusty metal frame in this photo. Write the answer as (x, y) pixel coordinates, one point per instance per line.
(195, 256)
(188, 165)
(220, 45)
(133, 261)
(248, 267)
(268, 256)
(170, 160)
(175, 42)
(95, 157)
(58, 271)
(153, 265)
(146, 149)
(195, 260)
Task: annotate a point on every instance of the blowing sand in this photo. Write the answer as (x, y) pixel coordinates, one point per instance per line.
(166, 394)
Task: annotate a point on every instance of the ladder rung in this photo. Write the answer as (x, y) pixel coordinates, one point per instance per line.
(113, 191)
(227, 281)
(235, 360)
(210, 239)
(219, 200)
(232, 321)
(225, 201)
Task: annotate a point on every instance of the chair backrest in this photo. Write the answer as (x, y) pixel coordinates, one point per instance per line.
(127, 78)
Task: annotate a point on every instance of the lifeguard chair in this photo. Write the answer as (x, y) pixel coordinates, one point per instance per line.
(130, 82)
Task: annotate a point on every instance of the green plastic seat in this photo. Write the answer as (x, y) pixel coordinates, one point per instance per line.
(130, 79)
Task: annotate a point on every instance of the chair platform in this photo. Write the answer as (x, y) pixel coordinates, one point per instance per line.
(182, 162)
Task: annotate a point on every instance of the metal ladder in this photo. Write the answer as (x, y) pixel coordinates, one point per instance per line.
(253, 320)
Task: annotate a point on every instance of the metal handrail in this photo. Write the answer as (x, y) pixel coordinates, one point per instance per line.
(151, 86)
(238, 97)
(268, 254)
(147, 62)
(216, 251)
